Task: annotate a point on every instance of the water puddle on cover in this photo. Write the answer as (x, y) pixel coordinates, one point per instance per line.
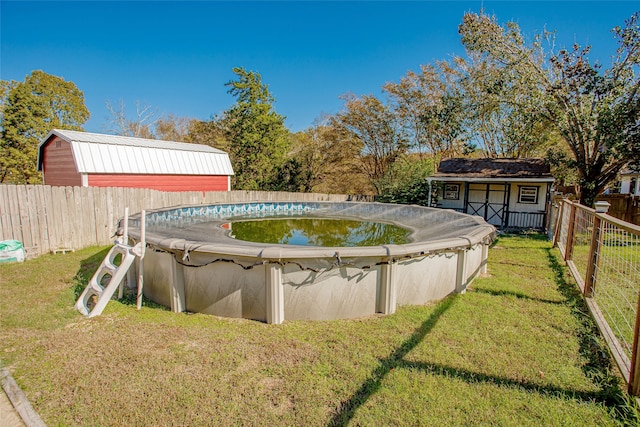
(318, 232)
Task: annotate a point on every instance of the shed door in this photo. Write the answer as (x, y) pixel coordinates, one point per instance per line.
(488, 201)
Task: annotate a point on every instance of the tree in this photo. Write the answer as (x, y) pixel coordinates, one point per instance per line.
(500, 106)
(376, 130)
(30, 111)
(256, 134)
(208, 132)
(407, 183)
(597, 113)
(173, 128)
(5, 87)
(429, 103)
(143, 126)
(328, 160)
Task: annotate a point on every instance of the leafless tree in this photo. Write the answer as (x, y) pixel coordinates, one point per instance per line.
(142, 126)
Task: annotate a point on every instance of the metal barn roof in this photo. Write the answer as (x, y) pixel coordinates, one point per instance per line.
(99, 153)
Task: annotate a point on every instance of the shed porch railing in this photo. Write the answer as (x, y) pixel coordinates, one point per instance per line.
(519, 220)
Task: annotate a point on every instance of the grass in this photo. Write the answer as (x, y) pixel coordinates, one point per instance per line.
(518, 348)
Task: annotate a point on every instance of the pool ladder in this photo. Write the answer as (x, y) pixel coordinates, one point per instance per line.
(95, 296)
(109, 276)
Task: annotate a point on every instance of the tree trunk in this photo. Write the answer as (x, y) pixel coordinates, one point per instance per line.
(588, 195)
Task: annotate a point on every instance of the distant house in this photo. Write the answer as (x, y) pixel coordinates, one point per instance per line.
(72, 158)
(508, 193)
(629, 182)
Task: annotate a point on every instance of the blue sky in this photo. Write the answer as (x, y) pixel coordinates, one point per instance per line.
(177, 56)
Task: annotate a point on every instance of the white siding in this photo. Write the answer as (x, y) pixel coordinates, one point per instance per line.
(626, 182)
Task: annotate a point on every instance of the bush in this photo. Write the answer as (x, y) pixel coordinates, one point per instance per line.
(406, 182)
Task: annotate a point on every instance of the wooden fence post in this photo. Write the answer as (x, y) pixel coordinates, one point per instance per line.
(568, 250)
(594, 257)
(634, 372)
(556, 232)
(595, 249)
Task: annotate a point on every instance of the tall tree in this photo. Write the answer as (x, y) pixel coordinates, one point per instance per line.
(500, 107)
(596, 112)
(429, 103)
(257, 136)
(376, 130)
(328, 159)
(31, 110)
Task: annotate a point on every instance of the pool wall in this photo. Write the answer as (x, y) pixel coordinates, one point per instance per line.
(273, 283)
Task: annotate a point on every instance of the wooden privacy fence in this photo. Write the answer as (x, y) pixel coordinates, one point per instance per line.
(53, 219)
(623, 206)
(603, 255)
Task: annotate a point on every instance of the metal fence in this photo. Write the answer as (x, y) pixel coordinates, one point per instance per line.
(603, 255)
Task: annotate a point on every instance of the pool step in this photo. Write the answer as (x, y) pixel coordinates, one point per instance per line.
(97, 294)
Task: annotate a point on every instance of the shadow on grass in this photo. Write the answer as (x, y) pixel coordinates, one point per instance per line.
(518, 295)
(471, 377)
(88, 267)
(370, 386)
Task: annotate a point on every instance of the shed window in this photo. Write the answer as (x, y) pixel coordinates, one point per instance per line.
(528, 195)
(451, 192)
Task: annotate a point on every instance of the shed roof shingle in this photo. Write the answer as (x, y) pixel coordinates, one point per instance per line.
(493, 168)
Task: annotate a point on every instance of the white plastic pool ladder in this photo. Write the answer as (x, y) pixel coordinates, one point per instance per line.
(95, 296)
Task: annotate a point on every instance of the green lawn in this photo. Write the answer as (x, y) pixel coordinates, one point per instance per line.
(516, 349)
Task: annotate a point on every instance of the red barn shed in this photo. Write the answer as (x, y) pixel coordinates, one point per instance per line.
(96, 160)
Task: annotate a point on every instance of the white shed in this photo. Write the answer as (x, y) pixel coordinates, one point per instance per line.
(507, 193)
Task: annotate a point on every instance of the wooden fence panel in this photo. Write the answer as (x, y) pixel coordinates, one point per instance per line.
(100, 212)
(23, 208)
(83, 202)
(93, 214)
(70, 232)
(34, 220)
(5, 217)
(119, 200)
(74, 221)
(623, 206)
(16, 226)
(86, 209)
(58, 200)
(49, 215)
(5, 214)
(41, 213)
(79, 219)
(109, 195)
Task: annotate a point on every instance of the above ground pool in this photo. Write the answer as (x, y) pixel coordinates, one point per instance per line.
(195, 263)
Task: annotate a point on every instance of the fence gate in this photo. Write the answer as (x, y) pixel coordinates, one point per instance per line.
(488, 201)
